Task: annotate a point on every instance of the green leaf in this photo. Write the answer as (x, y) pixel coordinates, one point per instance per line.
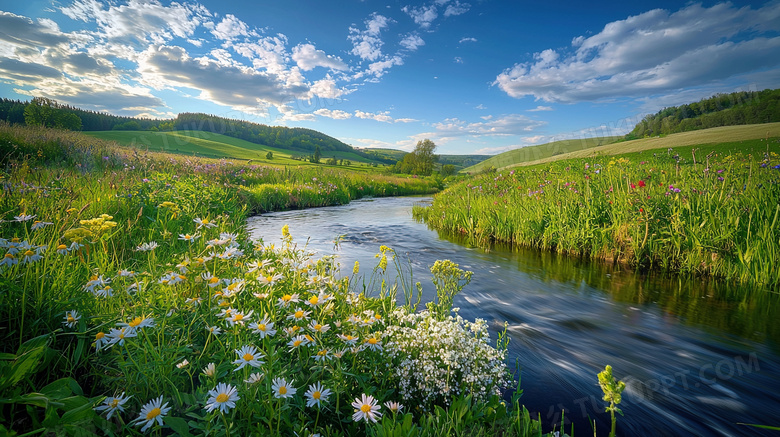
(57, 389)
(178, 425)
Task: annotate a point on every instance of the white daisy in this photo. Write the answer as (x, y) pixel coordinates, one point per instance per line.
(316, 394)
(366, 409)
(282, 388)
(113, 404)
(223, 398)
(152, 412)
(248, 355)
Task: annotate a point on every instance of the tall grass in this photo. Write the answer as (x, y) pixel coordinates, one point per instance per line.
(133, 301)
(705, 210)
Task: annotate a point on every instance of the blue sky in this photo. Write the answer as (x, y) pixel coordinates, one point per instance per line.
(475, 76)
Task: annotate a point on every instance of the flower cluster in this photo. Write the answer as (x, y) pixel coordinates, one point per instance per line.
(434, 361)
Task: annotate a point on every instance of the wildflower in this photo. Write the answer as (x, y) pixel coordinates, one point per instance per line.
(316, 394)
(106, 291)
(113, 404)
(184, 363)
(194, 301)
(146, 247)
(231, 253)
(393, 406)
(297, 342)
(339, 353)
(33, 254)
(138, 322)
(373, 343)
(8, 260)
(261, 296)
(126, 273)
(152, 412)
(292, 330)
(39, 224)
(233, 286)
(101, 340)
(287, 299)
(322, 355)
(188, 238)
(271, 280)
(248, 355)
(264, 327)
(204, 223)
(238, 318)
(62, 249)
(71, 319)
(282, 388)
(211, 280)
(210, 370)
(96, 282)
(316, 327)
(24, 217)
(214, 330)
(349, 339)
(356, 269)
(299, 315)
(366, 409)
(254, 378)
(118, 336)
(167, 204)
(223, 398)
(74, 246)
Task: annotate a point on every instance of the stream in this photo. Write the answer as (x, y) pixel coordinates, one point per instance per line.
(698, 356)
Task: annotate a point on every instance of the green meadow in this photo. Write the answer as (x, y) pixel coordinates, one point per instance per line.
(661, 204)
(212, 145)
(133, 302)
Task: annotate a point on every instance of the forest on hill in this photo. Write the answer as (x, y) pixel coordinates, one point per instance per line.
(745, 107)
(49, 113)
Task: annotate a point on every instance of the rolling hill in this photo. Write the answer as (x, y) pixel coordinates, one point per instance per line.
(717, 135)
(212, 145)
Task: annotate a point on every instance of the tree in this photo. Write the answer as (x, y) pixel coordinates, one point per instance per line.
(424, 157)
(269, 155)
(317, 155)
(68, 120)
(40, 112)
(448, 170)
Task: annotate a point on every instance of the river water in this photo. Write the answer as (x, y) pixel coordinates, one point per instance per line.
(698, 356)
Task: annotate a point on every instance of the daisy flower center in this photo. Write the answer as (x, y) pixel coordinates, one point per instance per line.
(365, 408)
(61, 247)
(222, 398)
(100, 335)
(213, 280)
(317, 327)
(372, 340)
(297, 343)
(249, 357)
(261, 327)
(316, 395)
(70, 318)
(314, 300)
(286, 297)
(298, 314)
(114, 403)
(29, 253)
(152, 414)
(9, 256)
(238, 317)
(282, 390)
(135, 322)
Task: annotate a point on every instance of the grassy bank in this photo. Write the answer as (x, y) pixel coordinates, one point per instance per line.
(132, 301)
(706, 210)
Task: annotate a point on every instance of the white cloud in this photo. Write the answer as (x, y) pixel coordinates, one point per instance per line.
(541, 108)
(327, 89)
(239, 87)
(308, 58)
(511, 124)
(412, 42)
(379, 68)
(458, 60)
(382, 116)
(367, 43)
(422, 15)
(139, 21)
(456, 8)
(653, 52)
(230, 28)
(335, 114)
(467, 39)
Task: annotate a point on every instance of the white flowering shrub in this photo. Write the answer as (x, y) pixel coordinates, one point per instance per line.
(435, 360)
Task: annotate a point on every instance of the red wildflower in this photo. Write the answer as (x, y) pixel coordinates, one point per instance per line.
(641, 183)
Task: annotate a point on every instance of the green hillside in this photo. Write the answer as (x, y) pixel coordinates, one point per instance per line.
(212, 145)
(535, 153)
(717, 135)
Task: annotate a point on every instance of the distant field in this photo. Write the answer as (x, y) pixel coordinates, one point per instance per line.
(717, 135)
(542, 151)
(211, 145)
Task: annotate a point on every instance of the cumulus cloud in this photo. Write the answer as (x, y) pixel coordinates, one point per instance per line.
(335, 114)
(467, 39)
(412, 42)
(139, 21)
(367, 43)
(327, 89)
(422, 15)
(382, 116)
(511, 124)
(541, 108)
(230, 28)
(653, 52)
(235, 85)
(456, 8)
(308, 58)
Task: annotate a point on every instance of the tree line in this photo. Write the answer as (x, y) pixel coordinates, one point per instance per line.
(745, 107)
